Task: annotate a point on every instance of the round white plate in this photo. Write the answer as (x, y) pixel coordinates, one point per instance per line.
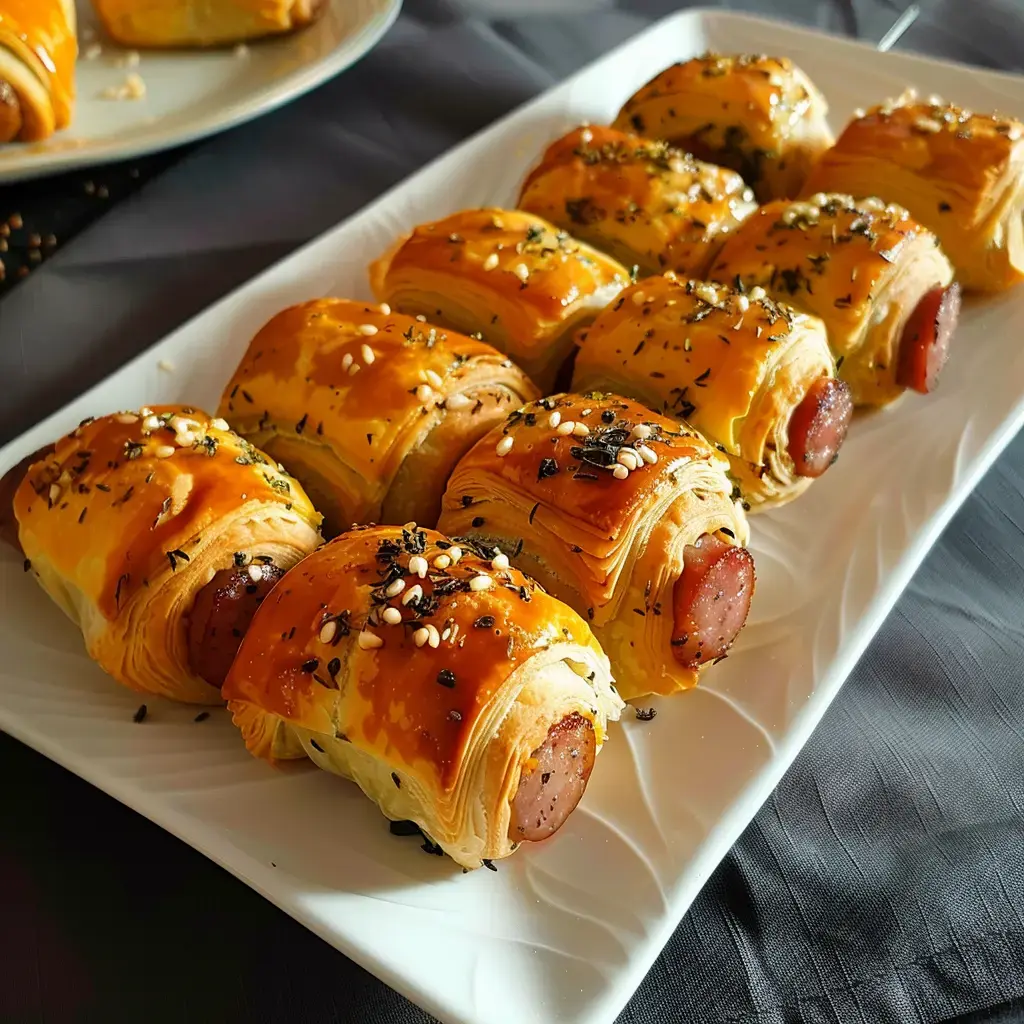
(192, 93)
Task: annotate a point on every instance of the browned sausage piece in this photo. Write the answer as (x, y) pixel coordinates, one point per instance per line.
(549, 793)
(924, 347)
(711, 600)
(221, 614)
(818, 426)
(9, 484)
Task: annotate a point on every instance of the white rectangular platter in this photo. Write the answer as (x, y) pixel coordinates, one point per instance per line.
(569, 927)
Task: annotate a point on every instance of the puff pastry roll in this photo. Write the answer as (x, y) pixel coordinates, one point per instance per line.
(514, 278)
(624, 515)
(369, 409)
(960, 174)
(647, 204)
(450, 688)
(38, 49)
(756, 377)
(158, 533)
(877, 278)
(202, 22)
(761, 116)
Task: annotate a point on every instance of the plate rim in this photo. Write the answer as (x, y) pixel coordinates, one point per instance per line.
(148, 140)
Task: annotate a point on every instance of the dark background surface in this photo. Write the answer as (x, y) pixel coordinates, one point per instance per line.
(884, 879)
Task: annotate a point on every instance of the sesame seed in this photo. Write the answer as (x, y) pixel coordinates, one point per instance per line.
(554, 419)
(580, 430)
(742, 303)
(642, 431)
(346, 360)
(442, 562)
(368, 329)
(434, 380)
(385, 309)
(522, 272)
(165, 451)
(647, 454)
(421, 636)
(255, 573)
(566, 427)
(414, 593)
(500, 561)
(620, 472)
(328, 631)
(368, 641)
(151, 423)
(638, 298)
(504, 446)
(54, 492)
(145, 411)
(185, 439)
(367, 354)
(434, 638)
(481, 583)
(219, 424)
(127, 417)
(424, 393)
(586, 135)
(458, 402)
(422, 319)
(411, 525)
(395, 588)
(447, 633)
(757, 293)
(418, 566)
(455, 554)
(392, 616)
(586, 412)
(354, 369)
(628, 458)
(491, 262)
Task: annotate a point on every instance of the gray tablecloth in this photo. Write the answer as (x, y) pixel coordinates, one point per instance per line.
(883, 881)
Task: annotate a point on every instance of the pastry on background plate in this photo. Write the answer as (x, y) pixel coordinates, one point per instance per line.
(159, 23)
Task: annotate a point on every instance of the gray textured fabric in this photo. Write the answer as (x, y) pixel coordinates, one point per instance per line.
(883, 881)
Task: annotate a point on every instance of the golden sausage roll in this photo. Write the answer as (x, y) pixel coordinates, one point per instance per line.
(448, 686)
(526, 286)
(761, 116)
(877, 279)
(645, 203)
(38, 49)
(159, 23)
(369, 409)
(158, 532)
(756, 377)
(960, 174)
(624, 515)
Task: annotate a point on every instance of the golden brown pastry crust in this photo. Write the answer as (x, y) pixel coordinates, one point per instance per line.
(519, 281)
(436, 732)
(38, 49)
(604, 545)
(165, 23)
(761, 116)
(959, 174)
(645, 203)
(862, 267)
(123, 525)
(733, 366)
(369, 409)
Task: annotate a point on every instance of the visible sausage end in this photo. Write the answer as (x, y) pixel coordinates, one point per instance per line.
(549, 793)
(221, 615)
(924, 346)
(818, 426)
(711, 600)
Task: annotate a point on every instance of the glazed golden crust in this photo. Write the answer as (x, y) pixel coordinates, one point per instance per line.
(761, 116)
(734, 366)
(123, 524)
(862, 267)
(960, 174)
(369, 409)
(507, 274)
(160, 23)
(605, 545)
(645, 203)
(437, 733)
(38, 49)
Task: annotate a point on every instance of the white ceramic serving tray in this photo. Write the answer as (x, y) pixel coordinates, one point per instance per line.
(192, 93)
(569, 927)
